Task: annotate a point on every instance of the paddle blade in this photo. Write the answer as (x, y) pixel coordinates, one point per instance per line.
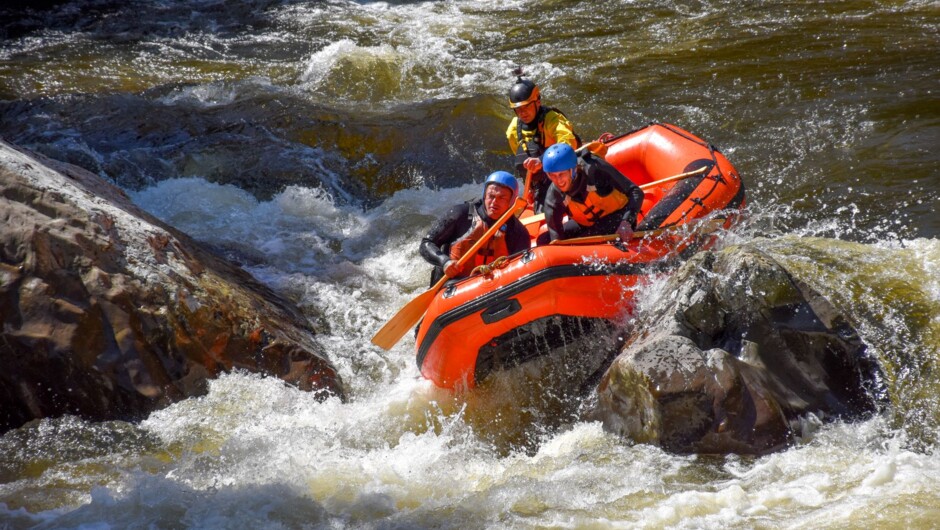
(405, 319)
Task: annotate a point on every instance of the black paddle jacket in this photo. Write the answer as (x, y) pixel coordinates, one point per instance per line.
(597, 172)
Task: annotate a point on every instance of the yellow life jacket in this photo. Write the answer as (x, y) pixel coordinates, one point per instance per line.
(552, 127)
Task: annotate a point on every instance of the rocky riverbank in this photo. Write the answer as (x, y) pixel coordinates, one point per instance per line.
(108, 313)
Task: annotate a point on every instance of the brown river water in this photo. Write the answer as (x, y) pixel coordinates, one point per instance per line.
(317, 140)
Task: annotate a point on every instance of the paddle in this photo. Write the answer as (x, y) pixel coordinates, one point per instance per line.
(680, 176)
(712, 225)
(411, 313)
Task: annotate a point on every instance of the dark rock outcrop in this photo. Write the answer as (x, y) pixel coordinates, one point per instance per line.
(108, 313)
(735, 360)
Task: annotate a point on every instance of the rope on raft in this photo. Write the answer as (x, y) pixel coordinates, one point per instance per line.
(487, 269)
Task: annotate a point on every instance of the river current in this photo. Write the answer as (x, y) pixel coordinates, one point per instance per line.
(314, 142)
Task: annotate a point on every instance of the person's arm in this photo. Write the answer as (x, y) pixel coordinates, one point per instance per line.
(554, 210)
(444, 231)
(560, 128)
(511, 137)
(618, 181)
(624, 185)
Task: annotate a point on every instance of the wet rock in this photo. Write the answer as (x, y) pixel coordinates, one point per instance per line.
(108, 313)
(736, 360)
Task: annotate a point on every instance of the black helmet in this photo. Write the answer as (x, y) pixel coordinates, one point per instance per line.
(522, 92)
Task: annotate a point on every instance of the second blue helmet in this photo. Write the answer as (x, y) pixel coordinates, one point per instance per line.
(559, 157)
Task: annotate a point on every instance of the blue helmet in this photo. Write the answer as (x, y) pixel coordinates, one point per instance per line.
(503, 179)
(559, 157)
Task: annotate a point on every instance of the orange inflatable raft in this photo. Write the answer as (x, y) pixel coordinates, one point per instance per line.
(536, 300)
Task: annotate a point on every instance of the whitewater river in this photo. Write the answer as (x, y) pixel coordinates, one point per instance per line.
(314, 142)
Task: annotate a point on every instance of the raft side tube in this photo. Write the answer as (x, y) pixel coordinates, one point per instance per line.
(588, 286)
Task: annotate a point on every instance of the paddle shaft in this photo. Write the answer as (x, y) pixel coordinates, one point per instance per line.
(674, 177)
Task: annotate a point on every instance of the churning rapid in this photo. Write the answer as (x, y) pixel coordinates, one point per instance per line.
(315, 142)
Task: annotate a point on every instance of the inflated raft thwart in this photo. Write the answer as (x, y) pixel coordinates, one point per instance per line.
(539, 300)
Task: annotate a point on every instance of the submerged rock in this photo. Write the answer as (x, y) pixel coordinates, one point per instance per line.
(108, 313)
(736, 360)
